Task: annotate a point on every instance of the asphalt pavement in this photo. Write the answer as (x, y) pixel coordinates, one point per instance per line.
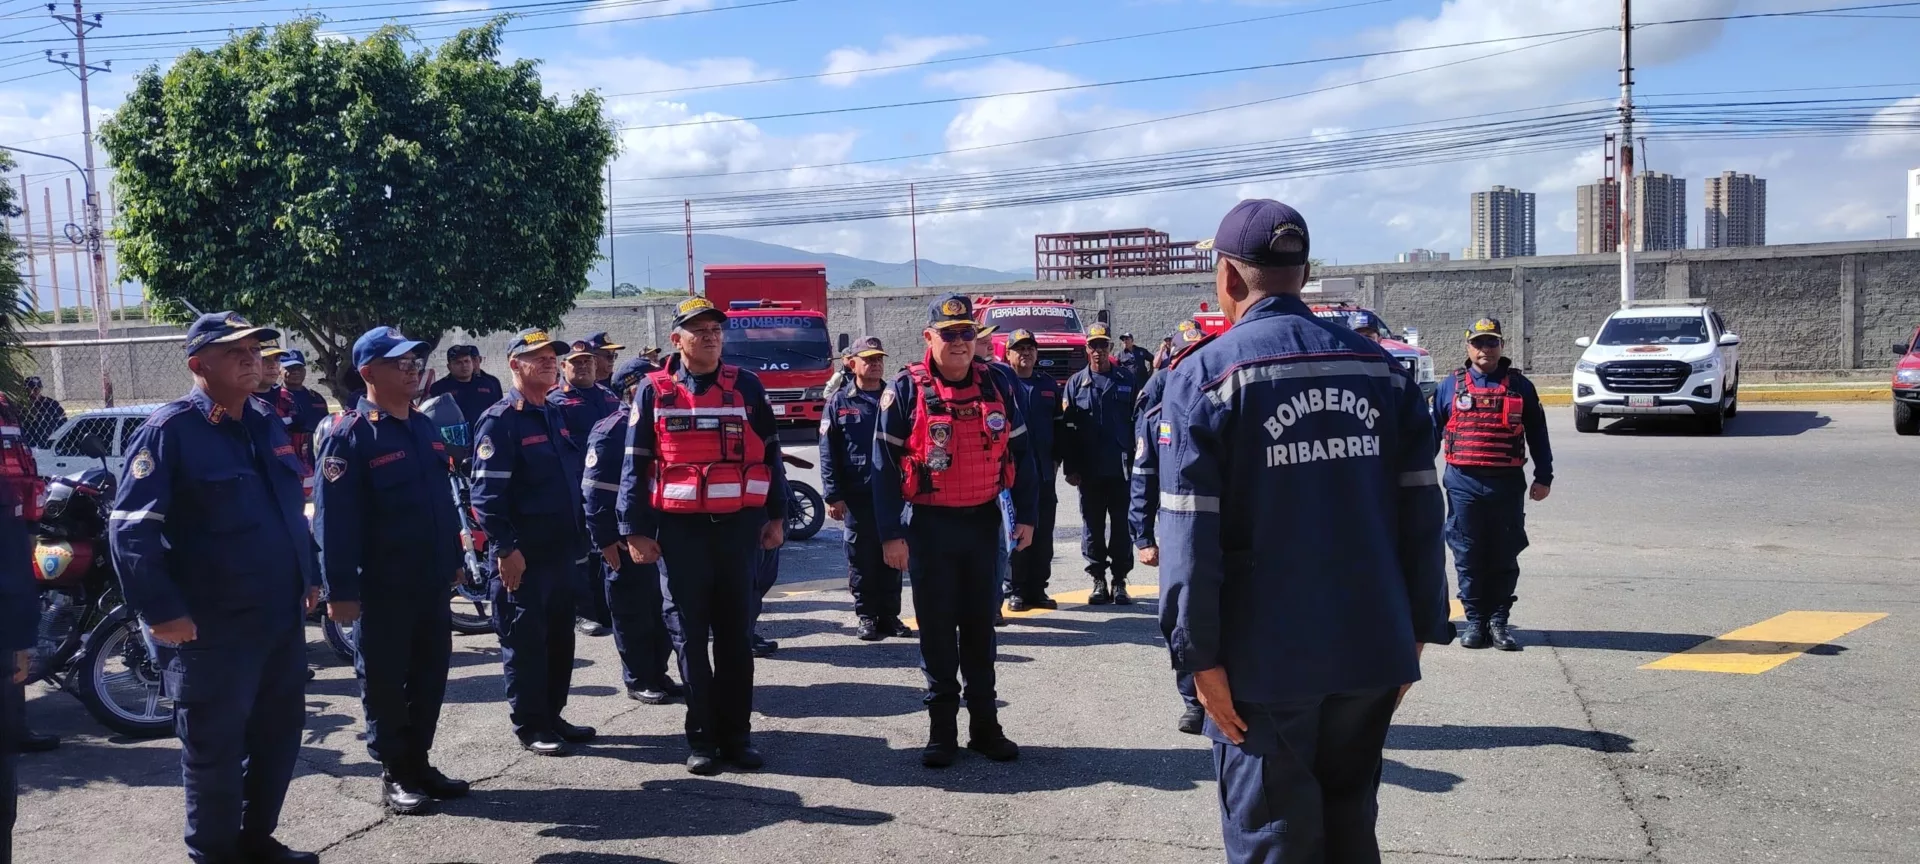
(1655, 542)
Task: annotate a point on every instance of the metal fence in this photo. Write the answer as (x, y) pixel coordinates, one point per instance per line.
(142, 369)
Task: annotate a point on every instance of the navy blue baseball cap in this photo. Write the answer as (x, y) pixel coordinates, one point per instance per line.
(868, 346)
(1250, 230)
(291, 358)
(694, 308)
(214, 328)
(953, 310)
(630, 373)
(534, 339)
(382, 343)
(600, 342)
(1485, 327)
(458, 351)
(1020, 337)
(33, 382)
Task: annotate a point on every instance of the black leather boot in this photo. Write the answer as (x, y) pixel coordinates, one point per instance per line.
(1101, 596)
(943, 735)
(1474, 634)
(985, 737)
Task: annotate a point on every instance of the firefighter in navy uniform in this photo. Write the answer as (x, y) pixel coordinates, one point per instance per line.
(1300, 550)
(704, 489)
(606, 353)
(950, 441)
(583, 402)
(1488, 415)
(1096, 413)
(846, 473)
(1137, 361)
(210, 540)
(473, 390)
(632, 589)
(389, 547)
(301, 409)
(526, 488)
(1144, 498)
(1031, 567)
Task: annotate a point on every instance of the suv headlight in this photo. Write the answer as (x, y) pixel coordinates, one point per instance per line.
(814, 393)
(1423, 372)
(1707, 365)
(1587, 366)
(1907, 376)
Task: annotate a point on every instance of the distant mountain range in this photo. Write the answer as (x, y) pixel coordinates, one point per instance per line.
(668, 254)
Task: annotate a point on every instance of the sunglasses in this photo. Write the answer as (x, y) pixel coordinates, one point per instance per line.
(959, 334)
(409, 364)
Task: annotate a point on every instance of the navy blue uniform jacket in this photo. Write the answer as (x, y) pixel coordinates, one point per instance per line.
(1042, 405)
(210, 520)
(600, 487)
(846, 444)
(474, 395)
(1532, 416)
(636, 514)
(897, 402)
(526, 476)
(383, 510)
(1300, 513)
(1097, 415)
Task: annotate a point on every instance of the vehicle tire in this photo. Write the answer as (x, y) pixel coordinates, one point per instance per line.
(1733, 403)
(1585, 420)
(1906, 420)
(806, 510)
(339, 638)
(1715, 423)
(117, 681)
(470, 613)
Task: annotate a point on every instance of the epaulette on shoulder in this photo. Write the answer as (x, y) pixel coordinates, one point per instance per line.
(344, 421)
(611, 420)
(166, 412)
(497, 408)
(1186, 352)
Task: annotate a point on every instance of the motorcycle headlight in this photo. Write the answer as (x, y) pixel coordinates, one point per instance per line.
(814, 393)
(1907, 376)
(1707, 365)
(1424, 372)
(1587, 366)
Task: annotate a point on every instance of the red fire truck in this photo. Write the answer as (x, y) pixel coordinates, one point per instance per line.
(777, 327)
(1055, 324)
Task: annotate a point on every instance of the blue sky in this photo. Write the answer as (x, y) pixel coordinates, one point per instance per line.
(1820, 188)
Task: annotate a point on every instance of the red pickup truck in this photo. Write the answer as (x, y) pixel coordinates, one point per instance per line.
(1906, 386)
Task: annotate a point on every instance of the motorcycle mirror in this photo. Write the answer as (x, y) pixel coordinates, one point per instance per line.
(846, 340)
(92, 448)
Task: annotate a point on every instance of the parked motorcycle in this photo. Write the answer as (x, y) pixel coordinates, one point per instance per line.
(806, 510)
(89, 643)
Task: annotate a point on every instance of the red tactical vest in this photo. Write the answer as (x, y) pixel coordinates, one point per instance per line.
(18, 469)
(1484, 429)
(958, 454)
(710, 460)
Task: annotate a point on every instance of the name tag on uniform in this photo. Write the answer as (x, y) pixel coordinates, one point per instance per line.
(532, 440)
(679, 424)
(1464, 402)
(387, 459)
(283, 450)
(706, 423)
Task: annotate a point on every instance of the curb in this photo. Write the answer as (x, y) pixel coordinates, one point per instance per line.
(1759, 397)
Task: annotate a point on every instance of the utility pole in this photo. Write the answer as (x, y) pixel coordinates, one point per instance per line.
(1626, 153)
(613, 276)
(26, 230)
(79, 25)
(688, 204)
(53, 258)
(913, 225)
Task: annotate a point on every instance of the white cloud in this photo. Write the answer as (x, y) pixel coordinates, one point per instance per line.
(637, 74)
(844, 65)
(450, 6)
(604, 11)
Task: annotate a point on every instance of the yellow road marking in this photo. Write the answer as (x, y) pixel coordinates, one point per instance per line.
(1454, 609)
(1763, 646)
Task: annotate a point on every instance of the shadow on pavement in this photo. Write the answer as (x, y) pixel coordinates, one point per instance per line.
(1674, 643)
(1450, 737)
(595, 858)
(838, 699)
(1397, 773)
(689, 807)
(1752, 423)
(84, 761)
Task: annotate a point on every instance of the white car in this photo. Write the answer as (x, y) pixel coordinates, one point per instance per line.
(114, 427)
(1668, 360)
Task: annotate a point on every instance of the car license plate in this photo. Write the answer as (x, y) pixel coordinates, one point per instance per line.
(779, 409)
(1642, 401)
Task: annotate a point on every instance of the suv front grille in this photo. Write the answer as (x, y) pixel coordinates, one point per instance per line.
(785, 395)
(1644, 376)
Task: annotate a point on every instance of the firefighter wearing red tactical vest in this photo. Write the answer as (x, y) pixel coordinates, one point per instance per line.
(1488, 416)
(951, 437)
(703, 488)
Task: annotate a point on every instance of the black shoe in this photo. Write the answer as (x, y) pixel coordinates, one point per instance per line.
(673, 690)
(37, 742)
(943, 736)
(275, 852)
(1474, 635)
(1192, 719)
(588, 627)
(939, 754)
(744, 758)
(573, 734)
(440, 786)
(869, 631)
(1043, 602)
(764, 647)
(1017, 603)
(998, 748)
(403, 798)
(1100, 596)
(544, 744)
(703, 763)
(1120, 596)
(651, 697)
(1502, 636)
(898, 628)
(999, 617)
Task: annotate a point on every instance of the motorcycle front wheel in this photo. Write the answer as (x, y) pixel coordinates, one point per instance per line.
(469, 600)
(339, 638)
(118, 681)
(806, 510)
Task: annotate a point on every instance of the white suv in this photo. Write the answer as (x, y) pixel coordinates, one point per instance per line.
(1658, 360)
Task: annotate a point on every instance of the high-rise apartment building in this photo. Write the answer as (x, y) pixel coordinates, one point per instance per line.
(1736, 211)
(1660, 215)
(1596, 218)
(1422, 255)
(1502, 224)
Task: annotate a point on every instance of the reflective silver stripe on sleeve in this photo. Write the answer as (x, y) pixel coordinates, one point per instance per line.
(1017, 432)
(1279, 370)
(890, 439)
(143, 515)
(604, 487)
(493, 475)
(1428, 477)
(1189, 503)
(639, 451)
(1146, 471)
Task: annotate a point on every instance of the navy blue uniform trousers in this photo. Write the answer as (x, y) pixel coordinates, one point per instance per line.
(766, 571)
(953, 558)
(403, 645)
(239, 706)
(9, 744)
(639, 625)
(874, 585)
(1104, 528)
(711, 601)
(1303, 787)
(535, 625)
(1030, 568)
(1487, 530)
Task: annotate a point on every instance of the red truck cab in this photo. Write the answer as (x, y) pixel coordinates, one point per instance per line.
(777, 328)
(1416, 359)
(1906, 386)
(1055, 324)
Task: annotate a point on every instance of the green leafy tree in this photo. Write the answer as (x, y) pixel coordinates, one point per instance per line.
(861, 283)
(15, 310)
(329, 186)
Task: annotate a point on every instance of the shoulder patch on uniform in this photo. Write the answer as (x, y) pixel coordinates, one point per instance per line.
(142, 464)
(484, 449)
(886, 399)
(166, 412)
(333, 468)
(593, 457)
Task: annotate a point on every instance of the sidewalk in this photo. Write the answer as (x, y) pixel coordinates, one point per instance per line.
(1752, 394)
